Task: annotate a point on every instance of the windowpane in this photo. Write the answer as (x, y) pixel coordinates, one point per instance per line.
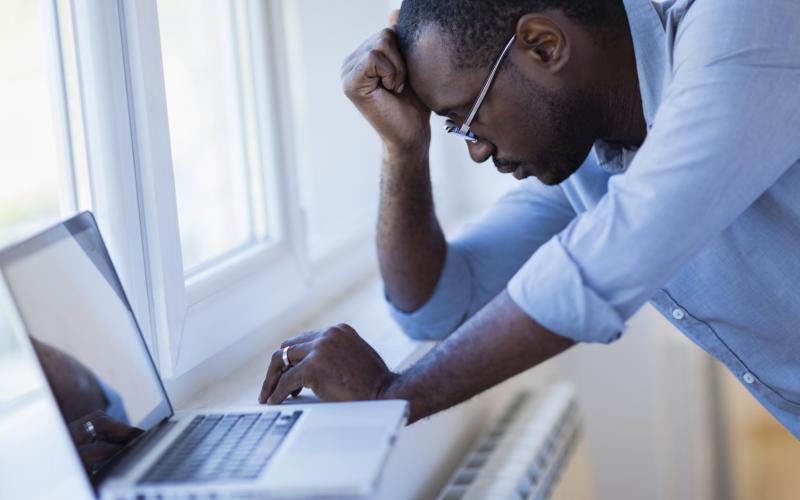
(44, 173)
(29, 160)
(212, 123)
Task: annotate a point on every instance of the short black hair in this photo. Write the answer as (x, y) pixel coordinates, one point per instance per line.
(482, 28)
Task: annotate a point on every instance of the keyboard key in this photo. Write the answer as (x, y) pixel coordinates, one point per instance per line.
(218, 447)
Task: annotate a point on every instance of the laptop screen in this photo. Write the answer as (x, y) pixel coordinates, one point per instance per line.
(86, 337)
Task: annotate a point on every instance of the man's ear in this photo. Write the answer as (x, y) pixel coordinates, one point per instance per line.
(544, 40)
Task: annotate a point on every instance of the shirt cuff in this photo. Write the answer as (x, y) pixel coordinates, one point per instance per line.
(550, 289)
(446, 309)
(115, 408)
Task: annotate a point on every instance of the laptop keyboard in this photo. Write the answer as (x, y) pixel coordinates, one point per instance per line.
(222, 447)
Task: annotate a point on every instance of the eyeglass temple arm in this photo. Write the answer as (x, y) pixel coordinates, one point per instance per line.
(485, 90)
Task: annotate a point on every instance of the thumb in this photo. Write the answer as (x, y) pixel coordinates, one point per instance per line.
(395, 14)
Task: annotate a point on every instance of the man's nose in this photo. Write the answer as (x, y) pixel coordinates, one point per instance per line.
(481, 150)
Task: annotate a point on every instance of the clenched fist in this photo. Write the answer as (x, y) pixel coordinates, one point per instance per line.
(374, 78)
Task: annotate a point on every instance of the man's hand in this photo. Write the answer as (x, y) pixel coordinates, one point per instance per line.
(337, 364)
(110, 438)
(497, 343)
(374, 78)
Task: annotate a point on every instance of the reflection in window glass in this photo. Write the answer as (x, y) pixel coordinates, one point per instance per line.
(210, 106)
(29, 163)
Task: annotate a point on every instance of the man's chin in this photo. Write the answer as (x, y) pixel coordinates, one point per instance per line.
(520, 173)
(549, 177)
(554, 177)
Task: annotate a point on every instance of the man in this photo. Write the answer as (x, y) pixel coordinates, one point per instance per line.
(93, 411)
(690, 199)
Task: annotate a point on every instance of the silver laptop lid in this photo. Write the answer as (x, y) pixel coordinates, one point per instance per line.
(88, 342)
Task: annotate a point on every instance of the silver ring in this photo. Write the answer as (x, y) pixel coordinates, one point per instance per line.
(286, 363)
(89, 428)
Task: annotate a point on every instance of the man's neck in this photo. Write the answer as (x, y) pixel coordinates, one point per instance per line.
(623, 100)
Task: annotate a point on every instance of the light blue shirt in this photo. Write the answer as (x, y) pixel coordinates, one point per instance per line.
(702, 221)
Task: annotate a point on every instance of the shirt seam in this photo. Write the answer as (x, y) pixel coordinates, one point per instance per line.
(731, 351)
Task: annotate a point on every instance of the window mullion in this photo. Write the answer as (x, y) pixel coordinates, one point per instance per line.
(294, 218)
(109, 147)
(68, 198)
(157, 202)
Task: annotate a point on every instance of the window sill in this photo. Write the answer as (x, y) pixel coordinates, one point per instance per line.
(409, 472)
(425, 453)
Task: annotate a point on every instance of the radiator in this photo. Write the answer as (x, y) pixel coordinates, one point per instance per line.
(522, 453)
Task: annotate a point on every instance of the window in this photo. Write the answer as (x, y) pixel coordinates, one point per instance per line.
(233, 182)
(43, 172)
(219, 175)
(223, 248)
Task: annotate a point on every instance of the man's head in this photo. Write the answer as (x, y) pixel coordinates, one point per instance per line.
(549, 101)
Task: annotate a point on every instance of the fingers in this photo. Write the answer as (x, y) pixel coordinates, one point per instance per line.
(275, 370)
(106, 429)
(78, 430)
(113, 431)
(379, 66)
(378, 59)
(300, 339)
(393, 17)
(388, 48)
(290, 382)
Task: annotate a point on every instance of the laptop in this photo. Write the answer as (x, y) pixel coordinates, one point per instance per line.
(130, 442)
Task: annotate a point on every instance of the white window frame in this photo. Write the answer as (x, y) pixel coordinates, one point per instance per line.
(184, 309)
(256, 293)
(196, 318)
(107, 127)
(252, 298)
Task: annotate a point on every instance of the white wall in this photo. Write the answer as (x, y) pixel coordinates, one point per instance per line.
(646, 407)
(339, 154)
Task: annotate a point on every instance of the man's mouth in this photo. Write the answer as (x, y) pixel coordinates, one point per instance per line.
(514, 167)
(505, 169)
(517, 170)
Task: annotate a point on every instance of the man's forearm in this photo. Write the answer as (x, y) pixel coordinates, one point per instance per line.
(497, 343)
(411, 245)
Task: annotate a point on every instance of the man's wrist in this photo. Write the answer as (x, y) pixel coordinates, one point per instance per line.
(385, 388)
(391, 388)
(395, 155)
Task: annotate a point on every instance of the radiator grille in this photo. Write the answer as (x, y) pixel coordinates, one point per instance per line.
(522, 454)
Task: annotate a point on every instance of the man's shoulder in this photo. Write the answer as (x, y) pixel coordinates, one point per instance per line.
(734, 33)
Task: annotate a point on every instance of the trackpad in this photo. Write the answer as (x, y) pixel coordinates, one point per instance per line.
(339, 441)
(341, 456)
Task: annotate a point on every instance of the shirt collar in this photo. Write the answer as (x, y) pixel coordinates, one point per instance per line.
(649, 43)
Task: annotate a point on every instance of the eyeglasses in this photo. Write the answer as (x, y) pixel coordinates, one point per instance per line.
(464, 130)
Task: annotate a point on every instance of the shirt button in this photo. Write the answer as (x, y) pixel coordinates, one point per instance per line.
(678, 313)
(749, 378)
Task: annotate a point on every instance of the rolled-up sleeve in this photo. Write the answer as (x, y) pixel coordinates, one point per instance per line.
(484, 256)
(726, 130)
